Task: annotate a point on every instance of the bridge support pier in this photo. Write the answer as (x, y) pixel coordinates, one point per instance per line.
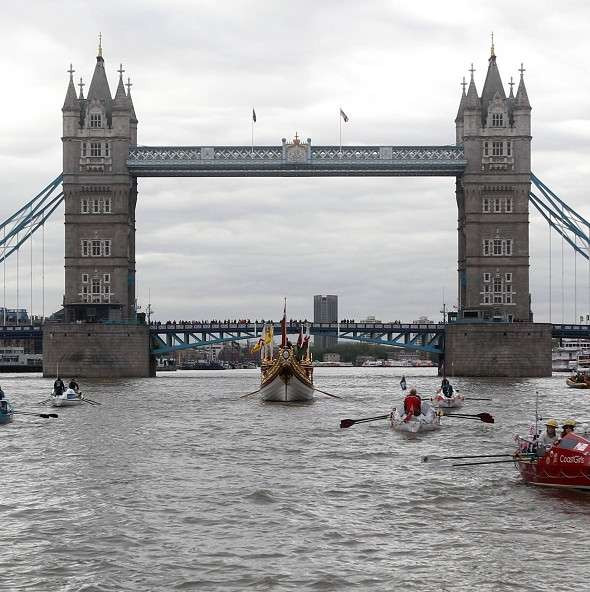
(498, 349)
(90, 350)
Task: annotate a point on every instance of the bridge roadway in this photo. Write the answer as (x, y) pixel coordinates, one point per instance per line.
(171, 337)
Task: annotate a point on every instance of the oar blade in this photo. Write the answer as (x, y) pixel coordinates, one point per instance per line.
(54, 415)
(486, 417)
(44, 415)
(346, 423)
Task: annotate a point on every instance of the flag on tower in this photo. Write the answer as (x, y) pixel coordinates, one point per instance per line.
(343, 115)
(253, 115)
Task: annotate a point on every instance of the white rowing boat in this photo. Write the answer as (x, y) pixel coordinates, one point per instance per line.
(69, 398)
(427, 421)
(456, 401)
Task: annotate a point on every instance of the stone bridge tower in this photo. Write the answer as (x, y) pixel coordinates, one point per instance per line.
(100, 198)
(492, 200)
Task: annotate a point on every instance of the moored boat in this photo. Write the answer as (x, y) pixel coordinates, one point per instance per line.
(69, 398)
(565, 465)
(6, 411)
(427, 421)
(578, 380)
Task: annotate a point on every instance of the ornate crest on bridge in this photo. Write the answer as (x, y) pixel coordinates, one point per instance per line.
(296, 151)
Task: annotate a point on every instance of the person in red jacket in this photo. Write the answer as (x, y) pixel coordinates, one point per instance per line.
(413, 403)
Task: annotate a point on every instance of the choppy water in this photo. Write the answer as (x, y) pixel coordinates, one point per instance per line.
(175, 483)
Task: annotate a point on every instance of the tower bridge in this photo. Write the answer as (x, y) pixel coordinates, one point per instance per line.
(491, 161)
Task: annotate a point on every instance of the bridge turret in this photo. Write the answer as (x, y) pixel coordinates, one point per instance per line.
(492, 199)
(100, 198)
(460, 113)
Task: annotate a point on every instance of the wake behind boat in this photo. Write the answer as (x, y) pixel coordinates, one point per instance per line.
(287, 376)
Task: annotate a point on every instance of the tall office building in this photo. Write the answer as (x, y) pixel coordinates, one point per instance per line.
(325, 310)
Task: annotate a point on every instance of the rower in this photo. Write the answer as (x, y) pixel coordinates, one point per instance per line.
(446, 388)
(548, 438)
(74, 385)
(58, 387)
(1, 393)
(569, 426)
(413, 403)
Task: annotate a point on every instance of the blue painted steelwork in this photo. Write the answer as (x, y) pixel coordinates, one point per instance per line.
(570, 331)
(19, 227)
(174, 337)
(562, 218)
(295, 160)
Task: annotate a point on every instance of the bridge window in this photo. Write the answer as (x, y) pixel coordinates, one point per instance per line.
(486, 247)
(106, 248)
(497, 148)
(486, 149)
(96, 248)
(508, 247)
(83, 148)
(497, 205)
(508, 148)
(485, 205)
(497, 119)
(497, 246)
(106, 278)
(95, 149)
(95, 120)
(84, 278)
(85, 248)
(96, 206)
(508, 277)
(508, 205)
(107, 149)
(487, 277)
(84, 206)
(107, 205)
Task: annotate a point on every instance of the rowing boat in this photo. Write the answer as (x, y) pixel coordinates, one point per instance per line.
(565, 465)
(69, 398)
(6, 411)
(427, 421)
(575, 384)
(456, 401)
(286, 379)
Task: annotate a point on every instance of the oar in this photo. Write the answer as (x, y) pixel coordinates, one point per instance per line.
(433, 458)
(252, 393)
(490, 462)
(485, 417)
(43, 415)
(346, 423)
(91, 401)
(476, 399)
(43, 402)
(325, 393)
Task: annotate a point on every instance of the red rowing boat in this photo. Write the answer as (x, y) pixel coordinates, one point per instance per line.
(566, 464)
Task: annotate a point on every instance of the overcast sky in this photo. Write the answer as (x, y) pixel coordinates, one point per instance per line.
(234, 247)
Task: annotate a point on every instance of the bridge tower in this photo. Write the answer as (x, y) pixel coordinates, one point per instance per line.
(492, 200)
(99, 335)
(493, 224)
(100, 198)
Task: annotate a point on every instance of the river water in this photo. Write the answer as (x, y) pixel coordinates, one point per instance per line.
(175, 483)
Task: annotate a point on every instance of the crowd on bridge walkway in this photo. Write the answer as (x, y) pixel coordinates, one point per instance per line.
(291, 322)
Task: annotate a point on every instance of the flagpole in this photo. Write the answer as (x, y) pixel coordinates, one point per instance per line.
(252, 135)
(340, 120)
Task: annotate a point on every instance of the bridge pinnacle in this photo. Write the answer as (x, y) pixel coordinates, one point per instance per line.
(71, 72)
(100, 45)
(492, 51)
(81, 85)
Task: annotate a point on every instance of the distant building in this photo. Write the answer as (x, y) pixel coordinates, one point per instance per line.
(370, 319)
(423, 321)
(331, 357)
(325, 310)
(14, 316)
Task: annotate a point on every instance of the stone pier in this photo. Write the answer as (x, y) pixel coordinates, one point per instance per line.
(498, 349)
(95, 350)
